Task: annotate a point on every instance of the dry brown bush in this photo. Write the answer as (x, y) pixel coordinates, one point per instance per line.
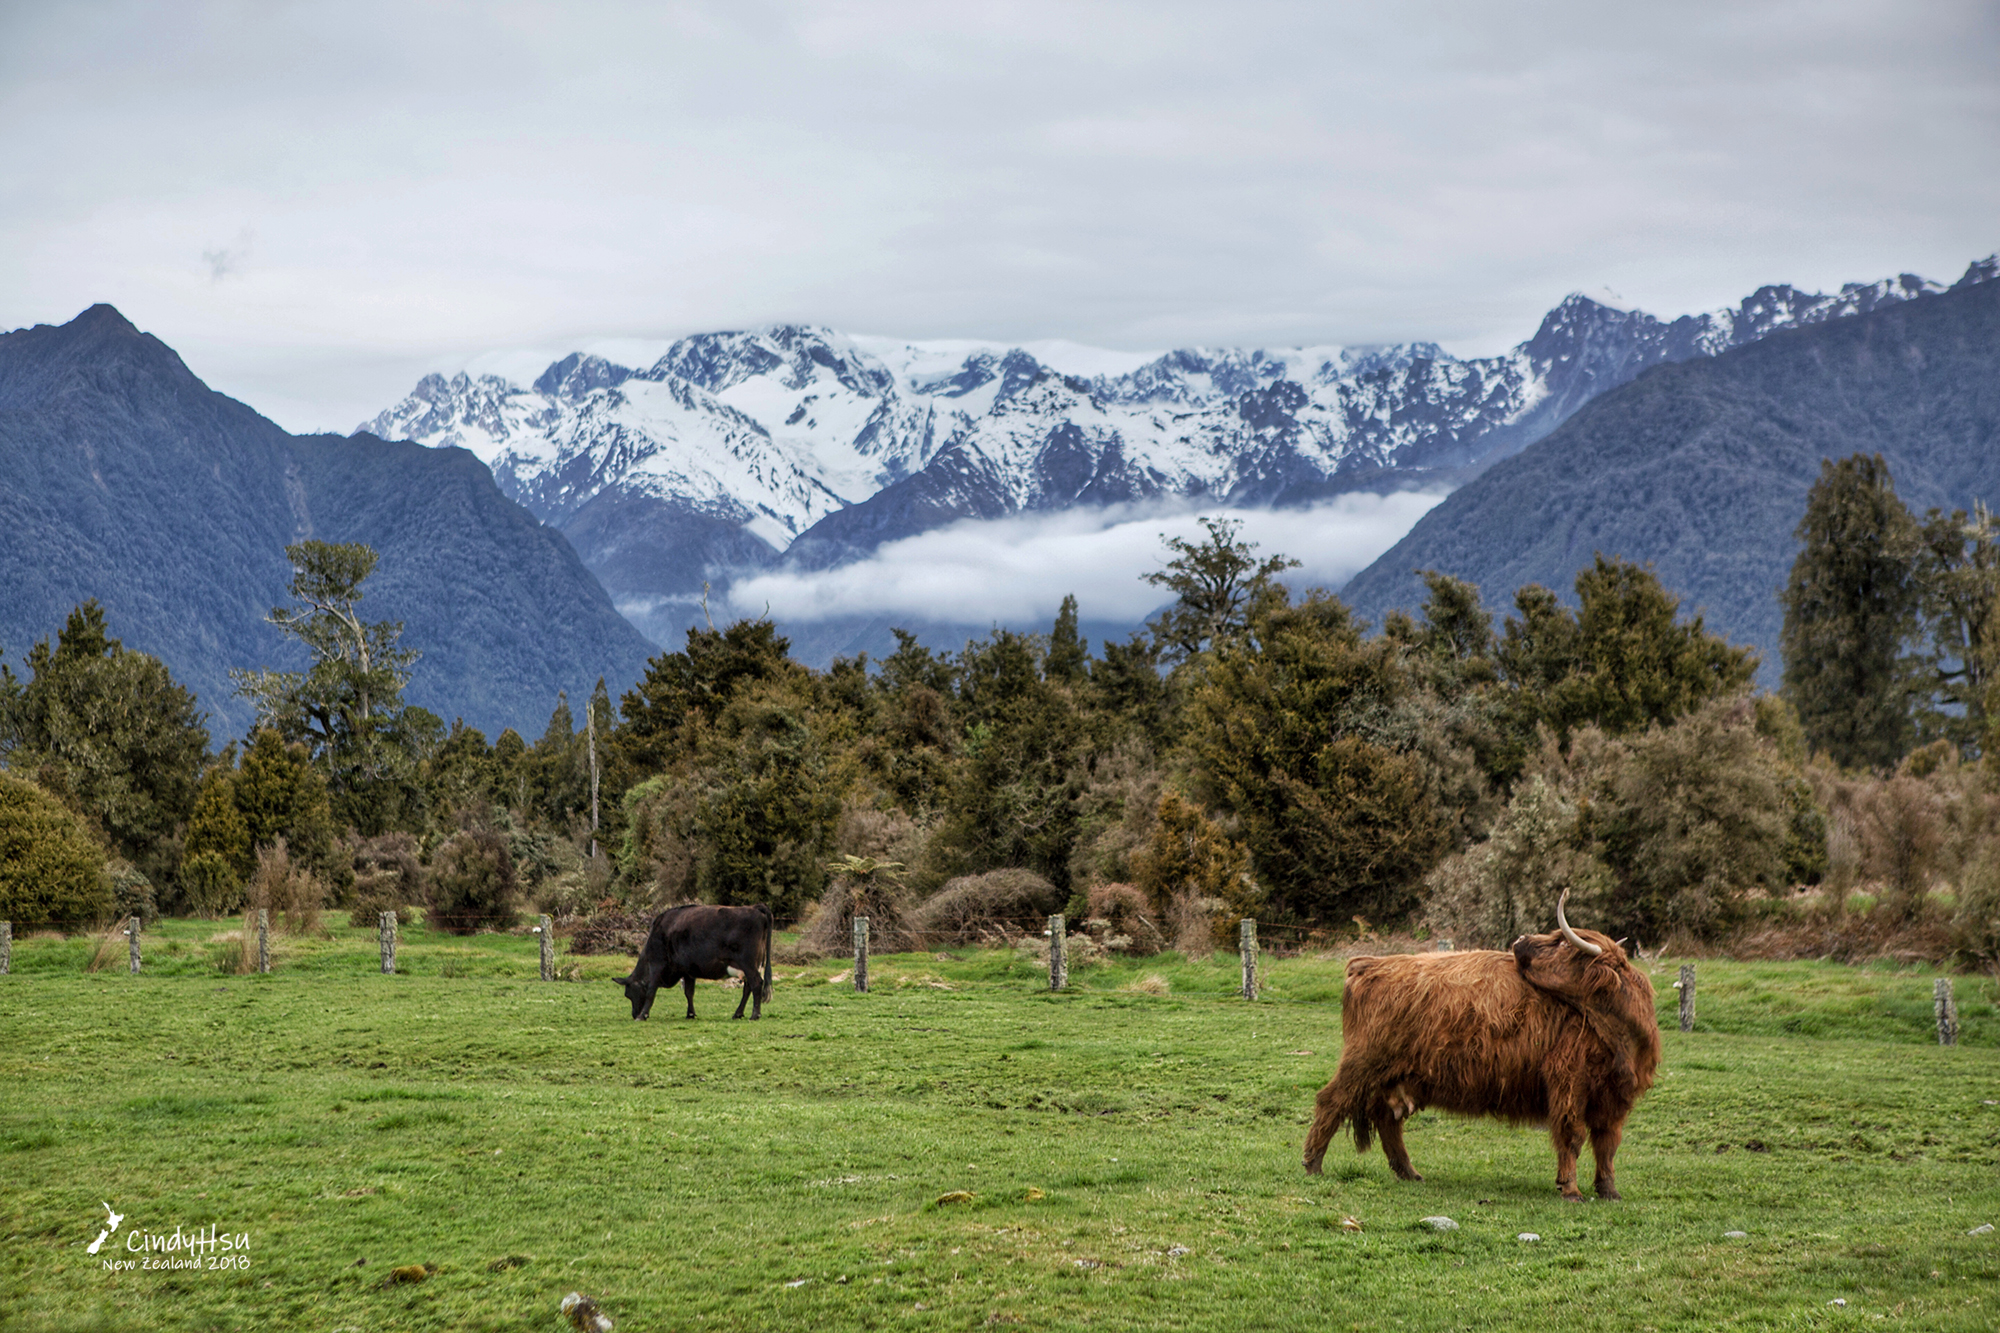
(113, 948)
(831, 929)
(1901, 827)
(1191, 922)
(975, 907)
(611, 932)
(291, 892)
(1128, 919)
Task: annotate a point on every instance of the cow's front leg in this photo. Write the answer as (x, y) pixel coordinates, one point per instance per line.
(1604, 1145)
(687, 984)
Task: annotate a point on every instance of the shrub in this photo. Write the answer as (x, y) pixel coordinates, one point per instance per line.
(472, 883)
(1130, 924)
(211, 884)
(1901, 827)
(387, 878)
(132, 893)
(51, 869)
(873, 895)
(1189, 853)
(295, 893)
(611, 932)
(1192, 922)
(1509, 885)
(972, 906)
(1975, 920)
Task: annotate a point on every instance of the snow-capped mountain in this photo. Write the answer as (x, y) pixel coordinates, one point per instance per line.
(734, 450)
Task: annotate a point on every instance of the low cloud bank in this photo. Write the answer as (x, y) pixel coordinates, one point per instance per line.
(1019, 569)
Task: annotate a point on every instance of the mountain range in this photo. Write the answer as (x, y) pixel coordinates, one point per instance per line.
(800, 446)
(1702, 467)
(123, 477)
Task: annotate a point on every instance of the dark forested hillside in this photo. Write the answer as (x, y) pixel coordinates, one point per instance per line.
(123, 477)
(1702, 467)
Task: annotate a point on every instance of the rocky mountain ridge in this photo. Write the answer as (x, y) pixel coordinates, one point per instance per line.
(794, 443)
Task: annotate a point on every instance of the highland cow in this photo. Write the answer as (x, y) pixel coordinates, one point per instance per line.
(1559, 1032)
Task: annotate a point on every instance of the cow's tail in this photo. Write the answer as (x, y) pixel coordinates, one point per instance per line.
(769, 927)
(1339, 1103)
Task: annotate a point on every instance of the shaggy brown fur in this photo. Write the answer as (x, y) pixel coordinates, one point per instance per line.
(1546, 1033)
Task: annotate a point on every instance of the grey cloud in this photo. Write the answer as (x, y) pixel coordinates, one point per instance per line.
(432, 181)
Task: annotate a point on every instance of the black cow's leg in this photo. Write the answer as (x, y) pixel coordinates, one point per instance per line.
(646, 1011)
(749, 984)
(687, 984)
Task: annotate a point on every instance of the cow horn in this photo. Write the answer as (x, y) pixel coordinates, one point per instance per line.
(1570, 935)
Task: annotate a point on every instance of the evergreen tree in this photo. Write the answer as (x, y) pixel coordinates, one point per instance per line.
(52, 870)
(348, 706)
(1282, 733)
(282, 794)
(1068, 658)
(1623, 662)
(1218, 585)
(108, 731)
(1957, 574)
(1850, 608)
(217, 826)
(685, 691)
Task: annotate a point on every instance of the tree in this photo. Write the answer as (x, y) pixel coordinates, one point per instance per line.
(108, 731)
(51, 868)
(1069, 656)
(1957, 576)
(281, 794)
(1217, 585)
(1623, 662)
(1850, 608)
(1283, 734)
(347, 707)
(685, 691)
(217, 826)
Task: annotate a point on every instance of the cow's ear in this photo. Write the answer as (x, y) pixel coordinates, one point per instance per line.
(622, 981)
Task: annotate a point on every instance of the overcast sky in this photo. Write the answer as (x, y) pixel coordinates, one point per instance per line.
(315, 203)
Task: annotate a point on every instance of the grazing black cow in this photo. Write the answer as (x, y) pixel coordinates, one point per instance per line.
(699, 941)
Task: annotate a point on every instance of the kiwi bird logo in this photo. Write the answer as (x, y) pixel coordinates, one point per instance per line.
(104, 1235)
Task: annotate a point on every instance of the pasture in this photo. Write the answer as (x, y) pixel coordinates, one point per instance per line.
(957, 1149)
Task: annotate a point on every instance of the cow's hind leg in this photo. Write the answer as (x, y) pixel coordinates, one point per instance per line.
(1331, 1109)
(1566, 1135)
(1604, 1141)
(748, 986)
(1388, 1117)
(687, 984)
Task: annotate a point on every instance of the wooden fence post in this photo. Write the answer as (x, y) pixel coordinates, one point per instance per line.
(1058, 958)
(6, 947)
(860, 955)
(547, 930)
(386, 923)
(1687, 997)
(132, 930)
(263, 939)
(1246, 941)
(1947, 1012)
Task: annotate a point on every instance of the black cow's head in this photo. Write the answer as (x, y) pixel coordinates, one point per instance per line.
(639, 993)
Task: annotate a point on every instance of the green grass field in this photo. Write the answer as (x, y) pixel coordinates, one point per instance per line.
(1131, 1157)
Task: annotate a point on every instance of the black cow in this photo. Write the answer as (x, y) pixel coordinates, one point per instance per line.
(699, 941)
